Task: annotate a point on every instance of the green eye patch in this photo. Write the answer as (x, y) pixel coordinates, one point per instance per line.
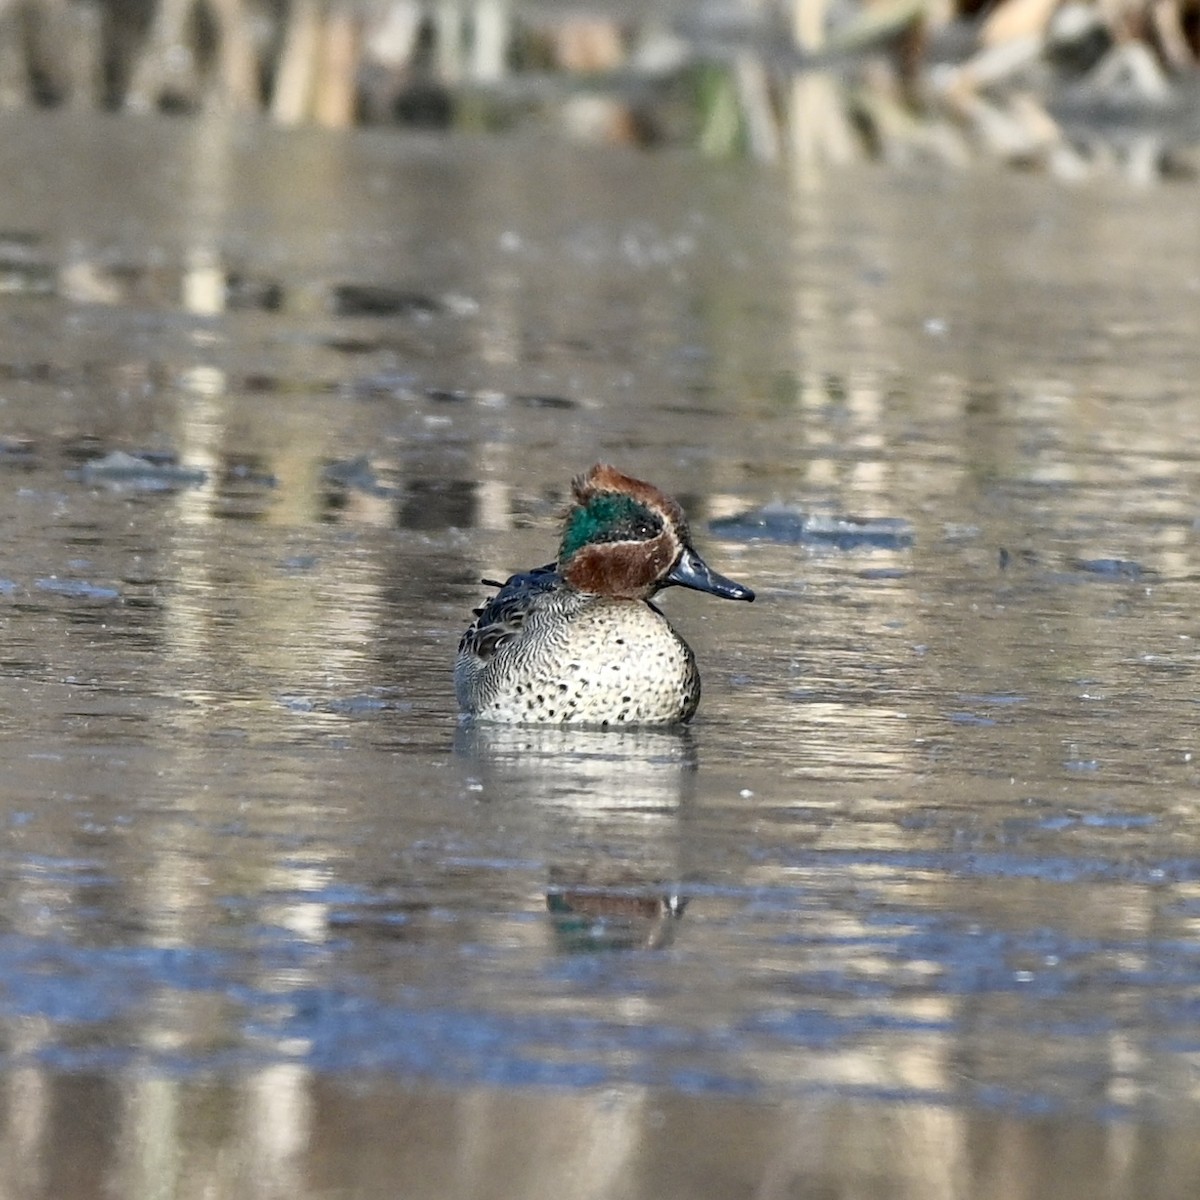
(608, 518)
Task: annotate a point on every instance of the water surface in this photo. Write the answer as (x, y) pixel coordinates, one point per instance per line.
(911, 909)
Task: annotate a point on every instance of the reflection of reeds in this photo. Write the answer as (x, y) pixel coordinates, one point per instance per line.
(822, 80)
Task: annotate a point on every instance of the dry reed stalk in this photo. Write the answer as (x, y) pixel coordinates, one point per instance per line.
(14, 70)
(489, 45)
(294, 78)
(808, 24)
(237, 62)
(819, 128)
(587, 45)
(758, 113)
(167, 64)
(1016, 19)
(1167, 21)
(449, 31)
(335, 101)
(85, 57)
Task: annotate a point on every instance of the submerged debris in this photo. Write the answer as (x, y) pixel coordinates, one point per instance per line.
(144, 472)
(78, 588)
(1110, 568)
(785, 523)
(357, 474)
(382, 300)
(299, 562)
(1102, 568)
(363, 704)
(18, 452)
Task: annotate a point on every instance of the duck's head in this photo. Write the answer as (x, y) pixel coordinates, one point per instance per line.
(626, 539)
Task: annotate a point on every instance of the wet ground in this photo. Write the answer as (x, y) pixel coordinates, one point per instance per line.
(912, 909)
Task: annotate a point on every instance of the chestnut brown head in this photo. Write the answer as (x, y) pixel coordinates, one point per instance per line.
(626, 539)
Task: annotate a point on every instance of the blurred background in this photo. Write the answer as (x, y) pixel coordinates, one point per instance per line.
(1070, 86)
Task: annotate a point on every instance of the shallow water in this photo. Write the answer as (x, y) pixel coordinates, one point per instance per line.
(911, 909)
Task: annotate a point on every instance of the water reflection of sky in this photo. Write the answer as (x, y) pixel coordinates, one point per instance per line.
(928, 848)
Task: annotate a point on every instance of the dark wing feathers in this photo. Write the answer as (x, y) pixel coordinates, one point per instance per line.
(501, 618)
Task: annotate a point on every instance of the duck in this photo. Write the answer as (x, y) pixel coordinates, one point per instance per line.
(580, 640)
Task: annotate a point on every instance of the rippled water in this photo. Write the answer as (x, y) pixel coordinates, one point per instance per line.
(911, 909)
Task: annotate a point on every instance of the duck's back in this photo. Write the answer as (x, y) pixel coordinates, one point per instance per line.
(542, 652)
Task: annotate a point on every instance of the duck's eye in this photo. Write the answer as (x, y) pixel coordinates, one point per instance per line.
(644, 528)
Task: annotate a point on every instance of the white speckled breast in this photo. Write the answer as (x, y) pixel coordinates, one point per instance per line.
(611, 662)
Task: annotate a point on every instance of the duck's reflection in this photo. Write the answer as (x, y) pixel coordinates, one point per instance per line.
(608, 810)
(591, 769)
(614, 916)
